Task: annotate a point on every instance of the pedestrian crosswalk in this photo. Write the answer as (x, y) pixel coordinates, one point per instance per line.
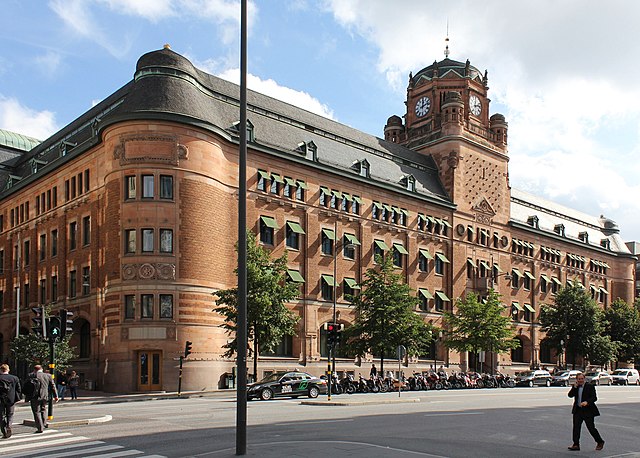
(59, 444)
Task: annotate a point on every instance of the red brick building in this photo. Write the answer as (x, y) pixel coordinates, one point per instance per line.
(127, 217)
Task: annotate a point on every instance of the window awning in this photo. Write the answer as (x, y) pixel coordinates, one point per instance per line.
(572, 256)
(529, 275)
(431, 219)
(270, 222)
(424, 252)
(594, 288)
(277, 178)
(401, 249)
(544, 248)
(442, 296)
(290, 181)
(516, 272)
(295, 276)
(378, 205)
(295, 227)
(302, 184)
(528, 307)
(603, 290)
(325, 190)
(338, 194)
(346, 196)
(497, 267)
(380, 244)
(425, 293)
(531, 245)
(328, 279)
(558, 252)
(352, 283)
(556, 281)
(395, 209)
(545, 278)
(421, 217)
(604, 264)
(357, 199)
(580, 285)
(518, 306)
(484, 232)
(352, 239)
(438, 220)
(404, 211)
(329, 233)
(263, 174)
(447, 223)
(387, 207)
(485, 264)
(517, 242)
(442, 258)
(471, 262)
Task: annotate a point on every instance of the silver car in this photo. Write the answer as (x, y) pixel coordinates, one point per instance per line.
(565, 378)
(598, 378)
(625, 377)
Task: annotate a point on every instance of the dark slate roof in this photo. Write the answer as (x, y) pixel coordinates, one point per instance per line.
(445, 66)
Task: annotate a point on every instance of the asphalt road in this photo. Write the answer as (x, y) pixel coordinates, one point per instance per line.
(522, 422)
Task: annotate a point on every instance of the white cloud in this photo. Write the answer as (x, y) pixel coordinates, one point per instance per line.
(152, 10)
(23, 120)
(48, 63)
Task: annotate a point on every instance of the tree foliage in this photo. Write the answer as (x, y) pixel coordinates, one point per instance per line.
(622, 324)
(268, 318)
(385, 316)
(478, 325)
(573, 322)
(35, 350)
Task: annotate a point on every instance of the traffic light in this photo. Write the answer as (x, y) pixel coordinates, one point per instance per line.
(54, 328)
(333, 333)
(38, 322)
(66, 323)
(187, 348)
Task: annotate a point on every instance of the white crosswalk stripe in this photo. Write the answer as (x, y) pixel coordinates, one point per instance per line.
(57, 444)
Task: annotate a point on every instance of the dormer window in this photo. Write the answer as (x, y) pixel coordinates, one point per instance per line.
(559, 229)
(533, 222)
(250, 130)
(362, 167)
(584, 236)
(409, 182)
(605, 243)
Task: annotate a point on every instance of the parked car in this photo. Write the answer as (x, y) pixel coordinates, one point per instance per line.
(531, 378)
(565, 378)
(293, 384)
(598, 378)
(625, 377)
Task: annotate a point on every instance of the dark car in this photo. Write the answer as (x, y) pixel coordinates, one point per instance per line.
(292, 384)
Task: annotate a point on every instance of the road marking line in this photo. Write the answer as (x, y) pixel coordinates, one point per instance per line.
(52, 449)
(117, 454)
(449, 414)
(103, 448)
(313, 422)
(53, 442)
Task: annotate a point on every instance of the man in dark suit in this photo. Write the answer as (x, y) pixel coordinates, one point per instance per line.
(40, 399)
(7, 403)
(584, 410)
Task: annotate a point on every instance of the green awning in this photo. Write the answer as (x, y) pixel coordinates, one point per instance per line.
(517, 305)
(556, 281)
(425, 293)
(346, 196)
(378, 205)
(295, 276)
(351, 283)
(424, 252)
(357, 199)
(528, 307)
(325, 190)
(295, 227)
(442, 258)
(517, 242)
(380, 244)
(421, 217)
(447, 223)
(594, 288)
(443, 296)
(604, 264)
(331, 235)
(471, 262)
(603, 290)
(387, 207)
(328, 279)
(270, 222)
(302, 184)
(263, 174)
(572, 256)
(277, 178)
(431, 219)
(401, 249)
(529, 275)
(544, 249)
(338, 194)
(395, 209)
(497, 267)
(290, 181)
(404, 211)
(545, 278)
(516, 272)
(439, 221)
(352, 239)
(485, 264)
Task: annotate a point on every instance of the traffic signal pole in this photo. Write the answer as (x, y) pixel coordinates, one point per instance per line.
(180, 376)
(52, 367)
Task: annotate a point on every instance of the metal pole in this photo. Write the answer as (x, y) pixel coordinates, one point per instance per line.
(52, 368)
(329, 374)
(335, 289)
(241, 334)
(17, 261)
(180, 377)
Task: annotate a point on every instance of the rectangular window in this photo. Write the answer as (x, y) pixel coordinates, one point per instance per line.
(43, 291)
(86, 180)
(349, 288)
(86, 230)
(166, 306)
(80, 187)
(349, 243)
(276, 180)
(301, 186)
(54, 242)
(37, 205)
(26, 294)
(130, 187)
(263, 176)
(16, 259)
(147, 305)
(166, 240)
(129, 307)
(1, 261)
(55, 196)
(147, 241)
(355, 205)
(73, 232)
(73, 187)
(397, 255)
(375, 210)
(292, 237)
(327, 283)
(1, 301)
(26, 254)
(43, 246)
(73, 284)
(130, 242)
(288, 183)
(147, 186)
(166, 187)
(328, 236)
(66, 190)
(440, 262)
(379, 248)
(49, 199)
(86, 280)
(54, 288)
(267, 227)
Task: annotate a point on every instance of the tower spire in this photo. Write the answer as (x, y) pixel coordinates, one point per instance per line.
(446, 42)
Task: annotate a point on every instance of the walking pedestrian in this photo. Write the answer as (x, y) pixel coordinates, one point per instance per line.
(584, 410)
(373, 372)
(72, 382)
(61, 384)
(10, 393)
(38, 388)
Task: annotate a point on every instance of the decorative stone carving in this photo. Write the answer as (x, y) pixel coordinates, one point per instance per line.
(124, 333)
(145, 148)
(453, 159)
(149, 271)
(128, 272)
(146, 271)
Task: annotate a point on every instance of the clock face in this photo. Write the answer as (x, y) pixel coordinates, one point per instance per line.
(475, 106)
(423, 105)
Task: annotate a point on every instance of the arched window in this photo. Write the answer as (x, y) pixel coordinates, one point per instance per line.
(284, 348)
(85, 340)
(545, 352)
(517, 354)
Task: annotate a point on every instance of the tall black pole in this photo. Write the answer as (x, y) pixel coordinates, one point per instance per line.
(241, 335)
(52, 370)
(335, 293)
(180, 377)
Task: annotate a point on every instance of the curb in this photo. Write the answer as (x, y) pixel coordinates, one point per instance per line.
(80, 422)
(360, 403)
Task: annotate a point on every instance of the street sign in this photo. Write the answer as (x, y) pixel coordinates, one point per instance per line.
(401, 352)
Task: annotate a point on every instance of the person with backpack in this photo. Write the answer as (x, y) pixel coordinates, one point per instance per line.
(10, 393)
(37, 389)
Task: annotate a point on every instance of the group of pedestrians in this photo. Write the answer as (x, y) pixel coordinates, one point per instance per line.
(37, 389)
(70, 381)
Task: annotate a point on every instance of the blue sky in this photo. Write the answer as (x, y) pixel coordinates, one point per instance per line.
(563, 73)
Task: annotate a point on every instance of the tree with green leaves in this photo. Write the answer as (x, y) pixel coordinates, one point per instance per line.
(385, 316)
(622, 324)
(600, 349)
(268, 318)
(476, 325)
(35, 350)
(572, 322)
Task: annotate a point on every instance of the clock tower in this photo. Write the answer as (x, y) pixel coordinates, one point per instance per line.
(448, 118)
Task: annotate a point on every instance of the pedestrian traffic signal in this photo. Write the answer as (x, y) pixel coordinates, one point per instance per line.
(66, 323)
(187, 348)
(38, 322)
(54, 328)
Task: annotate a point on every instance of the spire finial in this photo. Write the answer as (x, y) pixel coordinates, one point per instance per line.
(446, 41)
